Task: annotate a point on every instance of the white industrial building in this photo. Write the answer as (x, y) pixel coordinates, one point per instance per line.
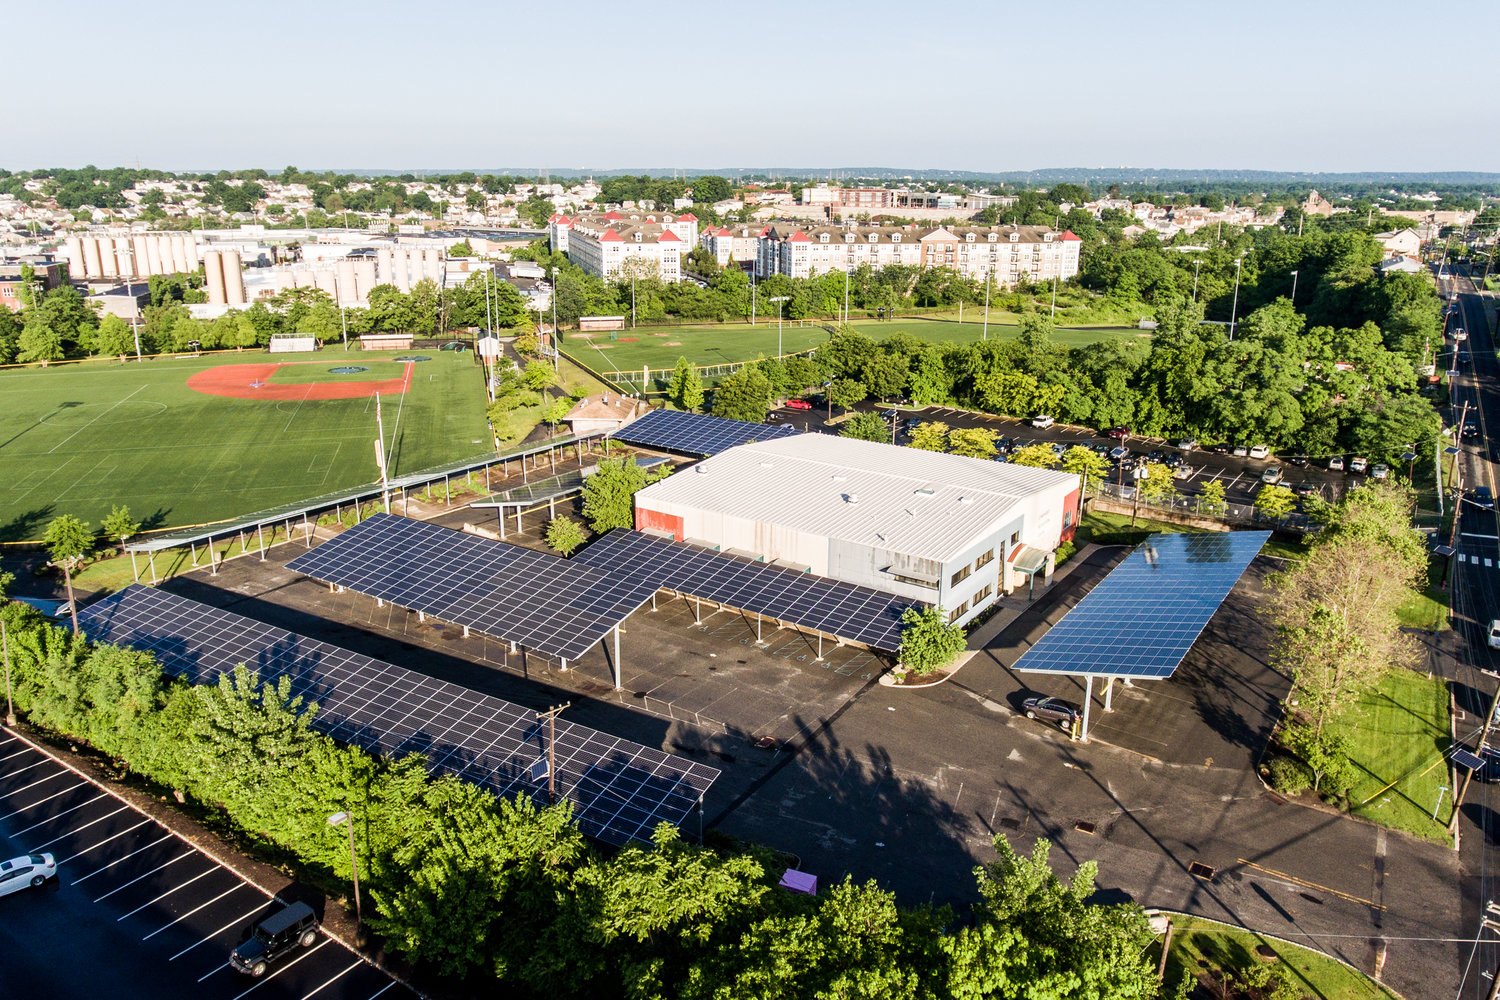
(943, 529)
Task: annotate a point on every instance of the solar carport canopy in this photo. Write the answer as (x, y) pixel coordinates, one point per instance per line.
(620, 790)
(1141, 619)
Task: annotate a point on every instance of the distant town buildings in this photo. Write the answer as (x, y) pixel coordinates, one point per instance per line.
(605, 244)
(1009, 253)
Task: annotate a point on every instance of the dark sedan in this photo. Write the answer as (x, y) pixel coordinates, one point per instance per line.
(1066, 713)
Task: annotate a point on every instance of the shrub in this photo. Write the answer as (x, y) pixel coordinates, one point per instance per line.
(1288, 775)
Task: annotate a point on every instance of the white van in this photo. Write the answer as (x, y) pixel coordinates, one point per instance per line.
(1042, 420)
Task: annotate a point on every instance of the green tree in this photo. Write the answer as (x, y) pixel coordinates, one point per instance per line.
(1326, 754)
(930, 435)
(609, 493)
(710, 188)
(744, 395)
(847, 392)
(114, 336)
(1158, 483)
(1091, 467)
(39, 340)
(119, 524)
(538, 375)
(1211, 498)
(1035, 456)
(557, 409)
(565, 534)
(1275, 501)
(69, 543)
(972, 442)
(686, 387)
(929, 640)
(865, 427)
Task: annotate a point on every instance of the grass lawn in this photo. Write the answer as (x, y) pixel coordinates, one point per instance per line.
(1399, 732)
(1203, 945)
(1106, 528)
(76, 439)
(304, 374)
(659, 347)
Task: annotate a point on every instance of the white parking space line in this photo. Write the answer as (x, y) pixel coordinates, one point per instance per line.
(16, 754)
(78, 829)
(39, 781)
(116, 836)
(212, 971)
(116, 861)
(169, 892)
(57, 816)
(23, 770)
(382, 989)
(221, 930)
(234, 888)
(341, 975)
(153, 871)
(266, 979)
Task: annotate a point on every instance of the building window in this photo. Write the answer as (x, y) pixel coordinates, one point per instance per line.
(984, 560)
(895, 237)
(1015, 237)
(873, 237)
(960, 576)
(958, 612)
(982, 595)
(1015, 538)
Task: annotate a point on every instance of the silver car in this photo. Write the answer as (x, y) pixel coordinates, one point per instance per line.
(29, 872)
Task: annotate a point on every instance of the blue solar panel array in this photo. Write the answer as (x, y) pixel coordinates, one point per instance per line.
(696, 433)
(552, 605)
(1141, 619)
(872, 617)
(620, 790)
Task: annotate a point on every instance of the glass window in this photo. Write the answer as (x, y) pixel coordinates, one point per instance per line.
(960, 576)
(1015, 538)
(985, 559)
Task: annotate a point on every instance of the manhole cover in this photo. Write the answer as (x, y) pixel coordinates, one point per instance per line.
(1200, 870)
(347, 370)
(1083, 826)
(414, 357)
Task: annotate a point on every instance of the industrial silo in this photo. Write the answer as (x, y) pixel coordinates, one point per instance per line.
(74, 254)
(140, 256)
(92, 259)
(348, 291)
(402, 264)
(325, 280)
(214, 273)
(153, 255)
(385, 277)
(234, 278)
(110, 263)
(434, 259)
(364, 278)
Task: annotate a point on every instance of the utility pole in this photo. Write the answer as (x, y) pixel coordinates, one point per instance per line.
(1463, 789)
(10, 709)
(551, 718)
(1234, 309)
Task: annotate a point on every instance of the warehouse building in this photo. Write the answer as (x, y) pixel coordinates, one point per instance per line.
(951, 531)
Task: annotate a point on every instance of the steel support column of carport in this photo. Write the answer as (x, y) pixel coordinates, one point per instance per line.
(1088, 699)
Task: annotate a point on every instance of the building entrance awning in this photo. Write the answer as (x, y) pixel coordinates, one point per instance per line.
(1030, 559)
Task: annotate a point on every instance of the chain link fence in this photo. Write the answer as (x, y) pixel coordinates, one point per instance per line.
(1241, 515)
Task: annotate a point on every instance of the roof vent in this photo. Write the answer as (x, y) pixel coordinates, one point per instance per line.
(851, 498)
(924, 491)
(765, 465)
(701, 469)
(964, 500)
(838, 478)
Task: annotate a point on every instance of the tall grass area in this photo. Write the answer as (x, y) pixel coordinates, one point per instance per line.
(1205, 947)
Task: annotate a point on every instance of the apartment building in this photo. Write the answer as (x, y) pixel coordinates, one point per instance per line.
(602, 243)
(1006, 252)
(740, 244)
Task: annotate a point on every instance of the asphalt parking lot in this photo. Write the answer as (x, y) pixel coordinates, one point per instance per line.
(135, 910)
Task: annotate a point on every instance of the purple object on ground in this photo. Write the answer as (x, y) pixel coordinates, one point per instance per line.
(800, 882)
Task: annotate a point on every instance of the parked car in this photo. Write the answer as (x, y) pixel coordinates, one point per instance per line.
(1483, 498)
(1240, 451)
(1271, 475)
(1118, 431)
(798, 404)
(1471, 430)
(1155, 456)
(1495, 634)
(1042, 420)
(1052, 709)
(1183, 471)
(1260, 451)
(1380, 471)
(1460, 334)
(1058, 448)
(1300, 461)
(1358, 465)
(1187, 444)
(30, 871)
(1220, 449)
(1307, 489)
(1119, 453)
(1463, 357)
(1336, 464)
(1175, 461)
(291, 927)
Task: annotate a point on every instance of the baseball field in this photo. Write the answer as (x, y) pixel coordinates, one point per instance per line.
(185, 441)
(623, 353)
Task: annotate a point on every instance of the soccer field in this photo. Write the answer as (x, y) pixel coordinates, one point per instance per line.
(79, 438)
(659, 347)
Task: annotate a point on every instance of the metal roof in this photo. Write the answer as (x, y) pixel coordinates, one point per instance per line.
(921, 503)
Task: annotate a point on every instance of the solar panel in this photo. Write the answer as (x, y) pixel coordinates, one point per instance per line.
(861, 614)
(620, 790)
(1141, 619)
(552, 605)
(696, 433)
(1463, 757)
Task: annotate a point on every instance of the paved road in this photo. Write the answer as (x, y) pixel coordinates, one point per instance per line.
(151, 915)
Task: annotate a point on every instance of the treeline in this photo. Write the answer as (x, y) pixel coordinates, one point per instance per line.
(63, 325)
(1316, 391)
(506, 891)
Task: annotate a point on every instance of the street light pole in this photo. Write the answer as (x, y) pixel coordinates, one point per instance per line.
(985, 335)
(1235, 308)
(10, 709)
(1294, 289)
(340, 819)
(779, 299)
(1196, 265)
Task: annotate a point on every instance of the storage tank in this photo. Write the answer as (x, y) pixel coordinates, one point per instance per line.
(190, 251)
(153, 255)
(92, 263)
(364, 278)
(348, 291)
(234, 278)
(434, 258)
(107, 258)
(383, 257)
(325, 280)
(402, 264)
(140, 255)
(175, 260)
(74, 255)
(214, 275)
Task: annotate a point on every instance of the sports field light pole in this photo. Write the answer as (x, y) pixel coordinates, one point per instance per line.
(1294, 289)
(385, 490)
(10, 709)
(1235, 308)
(988, 280)
(341, 819)
(338, 291)
(778, 299)
(846, 296)
(130, 294)
(1196, 265)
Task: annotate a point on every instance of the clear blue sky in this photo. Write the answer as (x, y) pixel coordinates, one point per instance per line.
(1309, 85)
